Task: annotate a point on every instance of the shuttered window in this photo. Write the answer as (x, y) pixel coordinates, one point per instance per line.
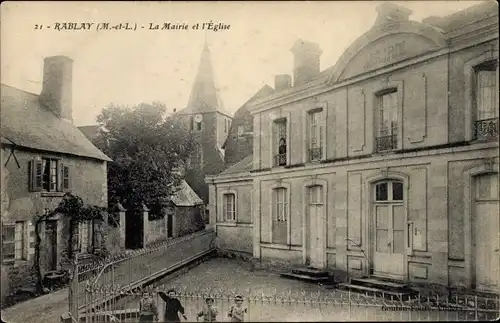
(49, 175)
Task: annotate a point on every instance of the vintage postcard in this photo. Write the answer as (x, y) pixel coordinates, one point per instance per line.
(249, 161)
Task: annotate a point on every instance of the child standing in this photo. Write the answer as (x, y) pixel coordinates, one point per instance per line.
(147, 308)
(237, 311)
(209, 312)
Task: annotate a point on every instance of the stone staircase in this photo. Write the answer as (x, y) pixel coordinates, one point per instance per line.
(309, 274)
(379, 286)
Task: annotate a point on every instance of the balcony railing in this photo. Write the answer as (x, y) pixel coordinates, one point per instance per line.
(280, 160)
(386, 142)
(486, 129)
(315, 153)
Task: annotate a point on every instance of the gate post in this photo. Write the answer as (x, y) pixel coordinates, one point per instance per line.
(73, 290)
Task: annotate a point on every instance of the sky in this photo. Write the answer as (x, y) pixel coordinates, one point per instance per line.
(129, 67)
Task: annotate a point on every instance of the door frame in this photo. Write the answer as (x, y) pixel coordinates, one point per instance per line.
(53, 224)
(369, 234)
(305, 221)
(489, 167)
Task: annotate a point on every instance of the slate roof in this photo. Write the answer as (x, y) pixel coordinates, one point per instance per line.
(92, 131)
(244, 165)
(464, 17)
(204, 95)
(27, 123)
(185, 196)
(242, 112)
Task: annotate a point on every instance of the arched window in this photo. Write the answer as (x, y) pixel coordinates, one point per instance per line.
(389, 191)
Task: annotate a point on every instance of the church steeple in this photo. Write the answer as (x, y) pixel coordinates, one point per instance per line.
(204, 93)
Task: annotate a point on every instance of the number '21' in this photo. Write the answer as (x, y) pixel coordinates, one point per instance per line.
(38, 26)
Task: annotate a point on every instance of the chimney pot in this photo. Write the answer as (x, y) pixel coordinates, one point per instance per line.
(282, 82)
(306, 61)
(57, 86)
(390, 12)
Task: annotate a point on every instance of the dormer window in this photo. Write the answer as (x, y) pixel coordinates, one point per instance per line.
(241, 131)
(486, 101)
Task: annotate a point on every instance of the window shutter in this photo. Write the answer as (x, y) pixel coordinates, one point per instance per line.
(60, 176)
(36, 175)
(65, 178)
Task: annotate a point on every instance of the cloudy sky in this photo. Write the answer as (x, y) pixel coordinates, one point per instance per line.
(128, 67)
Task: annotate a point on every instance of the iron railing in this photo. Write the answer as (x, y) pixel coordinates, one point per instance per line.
(135, 267)
(486, 129)
(324, 305)
(315, 154)
(385, 143)
(280, 160)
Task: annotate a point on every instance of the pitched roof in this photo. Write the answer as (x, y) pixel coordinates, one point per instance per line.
(204, 95)
(27, 123)
(185, 196)
(244, 165)
(242, 111)
(469, 15)
(92, 131)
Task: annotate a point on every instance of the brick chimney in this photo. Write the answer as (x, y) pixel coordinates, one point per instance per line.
(306, 61)
(391, 13)
(57, 86)
(282, 82)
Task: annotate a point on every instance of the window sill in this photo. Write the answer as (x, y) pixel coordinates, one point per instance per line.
(226, 224)
(52, 194)
(280, 246)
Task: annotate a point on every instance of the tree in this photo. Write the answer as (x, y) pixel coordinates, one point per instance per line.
(147, 148)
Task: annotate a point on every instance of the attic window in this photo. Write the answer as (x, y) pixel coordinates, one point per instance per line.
(241, 131)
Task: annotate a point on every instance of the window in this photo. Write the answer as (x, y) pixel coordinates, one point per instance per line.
(389, 191)
(280, 159)
(281, 205)
(14, 239)
(49, 175)
(198, 126)
(8, 242)
(486, 125)
(241, 131)
(387, 123)
(315, 136)
(20, 243)
(229, 207)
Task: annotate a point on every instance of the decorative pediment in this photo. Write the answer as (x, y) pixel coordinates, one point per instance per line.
(393, 38)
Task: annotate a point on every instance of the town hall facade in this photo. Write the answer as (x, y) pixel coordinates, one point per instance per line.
(383, 165)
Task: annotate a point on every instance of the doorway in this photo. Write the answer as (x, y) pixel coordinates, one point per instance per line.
(134, 230)
(389, 218)
(315, 226)
(51, 244)
(486, 228)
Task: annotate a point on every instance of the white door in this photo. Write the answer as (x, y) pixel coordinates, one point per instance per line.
(487, 228)
(315, 226)
(389, 218)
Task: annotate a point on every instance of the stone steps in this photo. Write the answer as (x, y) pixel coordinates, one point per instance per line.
(309, 275)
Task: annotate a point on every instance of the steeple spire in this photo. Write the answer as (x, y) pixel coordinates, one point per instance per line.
(204, 96)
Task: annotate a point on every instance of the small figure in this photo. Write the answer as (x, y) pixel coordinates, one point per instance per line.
(237, 311)
(209, 312)
(173, 307)
(148, 311)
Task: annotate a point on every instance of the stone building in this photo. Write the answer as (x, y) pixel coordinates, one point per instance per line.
(383, 165)
(209, 123)
(44, 155)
